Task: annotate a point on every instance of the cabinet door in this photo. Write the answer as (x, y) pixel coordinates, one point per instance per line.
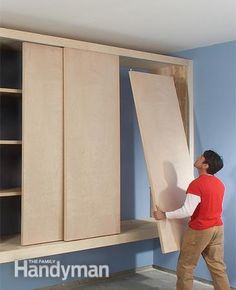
(165, 148)
(92, 144)
(42, 196)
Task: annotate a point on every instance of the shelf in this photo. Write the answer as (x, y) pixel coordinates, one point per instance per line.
(131, 231)
(10, 142)
(10, 192)
(7, 91)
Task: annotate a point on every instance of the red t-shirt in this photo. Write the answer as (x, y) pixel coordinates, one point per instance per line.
(209, 210)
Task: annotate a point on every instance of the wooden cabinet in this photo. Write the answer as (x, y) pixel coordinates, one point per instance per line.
(70, 144)
(60, 142)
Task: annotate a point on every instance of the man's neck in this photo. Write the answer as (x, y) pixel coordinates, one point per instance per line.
(203, 172)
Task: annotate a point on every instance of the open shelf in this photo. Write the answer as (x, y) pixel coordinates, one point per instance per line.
(131, 231)
(10, 118)
(10, 139)
(7, 91)
(10, 142)
(10, 192)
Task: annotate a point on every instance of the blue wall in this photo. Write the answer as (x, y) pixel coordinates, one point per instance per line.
(135, 196)
(135, 203)
(215, 128)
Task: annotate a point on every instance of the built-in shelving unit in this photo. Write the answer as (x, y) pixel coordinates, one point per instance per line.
(10, 139)
(36, 96)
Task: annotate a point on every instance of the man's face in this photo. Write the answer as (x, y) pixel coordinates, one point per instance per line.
(199, 163)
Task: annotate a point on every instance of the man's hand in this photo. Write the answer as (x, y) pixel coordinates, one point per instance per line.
(158, 214)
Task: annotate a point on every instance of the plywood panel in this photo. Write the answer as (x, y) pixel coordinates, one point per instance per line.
(42, 189)
(92, 144)
(165, 149)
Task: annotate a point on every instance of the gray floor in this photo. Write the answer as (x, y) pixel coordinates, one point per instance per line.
(150, 279)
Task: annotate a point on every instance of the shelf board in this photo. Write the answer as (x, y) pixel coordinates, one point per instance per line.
(10, 142)
(10, 192)
(131, 231)
(7, 91)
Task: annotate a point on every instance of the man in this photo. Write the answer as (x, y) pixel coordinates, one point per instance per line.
(205, 234)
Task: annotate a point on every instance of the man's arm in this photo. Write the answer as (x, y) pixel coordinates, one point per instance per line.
(190, 204)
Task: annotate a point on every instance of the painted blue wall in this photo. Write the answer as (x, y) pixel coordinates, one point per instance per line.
(135, 196)
(215, 128)
(135, 203)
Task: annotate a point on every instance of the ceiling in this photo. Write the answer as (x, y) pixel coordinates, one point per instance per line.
(152, 25)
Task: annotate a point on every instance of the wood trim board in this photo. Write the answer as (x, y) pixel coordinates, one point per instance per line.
(165, 148)
(89, 46)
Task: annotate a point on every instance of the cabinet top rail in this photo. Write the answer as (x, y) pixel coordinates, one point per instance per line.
(72, 43)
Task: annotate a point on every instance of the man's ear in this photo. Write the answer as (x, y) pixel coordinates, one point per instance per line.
(205, 165)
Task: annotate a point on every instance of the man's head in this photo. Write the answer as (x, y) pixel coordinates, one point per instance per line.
(209, 162)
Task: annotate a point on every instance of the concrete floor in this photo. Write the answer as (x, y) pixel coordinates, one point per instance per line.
(150, 279)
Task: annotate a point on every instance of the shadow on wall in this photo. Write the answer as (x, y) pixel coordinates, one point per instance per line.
(172, 197)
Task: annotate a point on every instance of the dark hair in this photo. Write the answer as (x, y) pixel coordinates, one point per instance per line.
(214, 161)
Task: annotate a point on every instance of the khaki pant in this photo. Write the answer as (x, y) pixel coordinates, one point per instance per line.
(210, 244)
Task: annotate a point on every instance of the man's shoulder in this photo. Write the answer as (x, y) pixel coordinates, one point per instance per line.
(207, 179)
(194, 184)
(219, 181)
(197, 180)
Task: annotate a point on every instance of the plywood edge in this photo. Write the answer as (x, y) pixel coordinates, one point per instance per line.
(190, 103)
(10, 142)
(131, 231)
(10, 192)
(23, 122)
(71, 43)
(8, 91)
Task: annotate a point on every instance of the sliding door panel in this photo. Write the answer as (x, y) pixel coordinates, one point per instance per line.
(165, 149)
(42, 204)
(92, 144)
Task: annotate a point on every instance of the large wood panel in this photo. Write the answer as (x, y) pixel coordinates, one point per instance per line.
(92, 144)
(165, 148)
(42, 192)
